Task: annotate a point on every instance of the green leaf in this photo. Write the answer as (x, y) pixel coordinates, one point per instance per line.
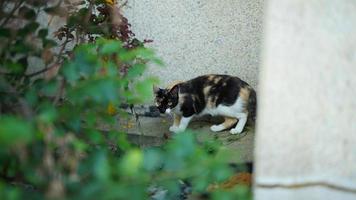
(14, 67)
(20, 47)
(238, 192)
(126, 56)
(49, 43)
(140, 52)
(50, 88)
(144, 53)
(28, 28)
(80, 145)
(101, 91)
(101, 166)
(95, 136)
(56, 10)
(112, 69)
(72, 21)
(144, 89)
(95, 29)
(152, 159)
(157, 62)
(132, 162)
(31, 96)
(14, 131)
(123, 142)
(5, 32)
(9, 192)
(111, 46)
(201, 182)
(84, 64)
(221, 172)
(70, 72)
(42, 33)
(185, 139)
(135, 71)
(27, 13)
(47, 113)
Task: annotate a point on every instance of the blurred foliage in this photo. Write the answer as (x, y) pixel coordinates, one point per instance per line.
(50, 146)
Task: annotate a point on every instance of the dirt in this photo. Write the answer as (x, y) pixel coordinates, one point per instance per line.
(238, 179)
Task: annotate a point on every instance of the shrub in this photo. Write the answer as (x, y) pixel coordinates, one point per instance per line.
(50, 146)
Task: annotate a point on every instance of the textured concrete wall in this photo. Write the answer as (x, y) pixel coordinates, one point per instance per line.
(306, 135)
(195, 37)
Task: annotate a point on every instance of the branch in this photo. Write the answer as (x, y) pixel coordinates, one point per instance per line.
(26, 109)
(2, 3)
(89, 13)
(60, 92)
(55, 64)
(41, 71)
(18, 181)
(123, 4)
(12, 13)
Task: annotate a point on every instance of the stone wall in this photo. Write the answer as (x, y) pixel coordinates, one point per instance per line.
(306, 135)
(195, 37)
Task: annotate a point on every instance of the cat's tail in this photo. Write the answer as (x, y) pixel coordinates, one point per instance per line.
(252, 105)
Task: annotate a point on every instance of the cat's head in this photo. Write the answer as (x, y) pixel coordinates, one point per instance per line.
(166, 99)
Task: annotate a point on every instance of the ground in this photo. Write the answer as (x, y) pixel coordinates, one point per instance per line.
(153, 131)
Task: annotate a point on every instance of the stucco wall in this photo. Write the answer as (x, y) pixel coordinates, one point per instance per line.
(195, 37)
(306, 135)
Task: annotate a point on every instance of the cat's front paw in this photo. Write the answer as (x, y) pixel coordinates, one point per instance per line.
(176, 129)
(173, 129)
(217, 128)
(237, 130)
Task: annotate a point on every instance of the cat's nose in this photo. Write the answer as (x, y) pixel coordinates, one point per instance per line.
(161, 110)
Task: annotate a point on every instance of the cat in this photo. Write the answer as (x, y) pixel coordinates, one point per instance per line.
(217, 95)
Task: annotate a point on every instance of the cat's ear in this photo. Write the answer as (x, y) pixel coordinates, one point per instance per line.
(174, 91)
(155, 89)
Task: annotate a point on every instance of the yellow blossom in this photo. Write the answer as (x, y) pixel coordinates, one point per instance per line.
(111, 2)
(111, 109)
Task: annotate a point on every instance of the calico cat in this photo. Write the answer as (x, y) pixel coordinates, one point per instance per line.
(221, 95)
